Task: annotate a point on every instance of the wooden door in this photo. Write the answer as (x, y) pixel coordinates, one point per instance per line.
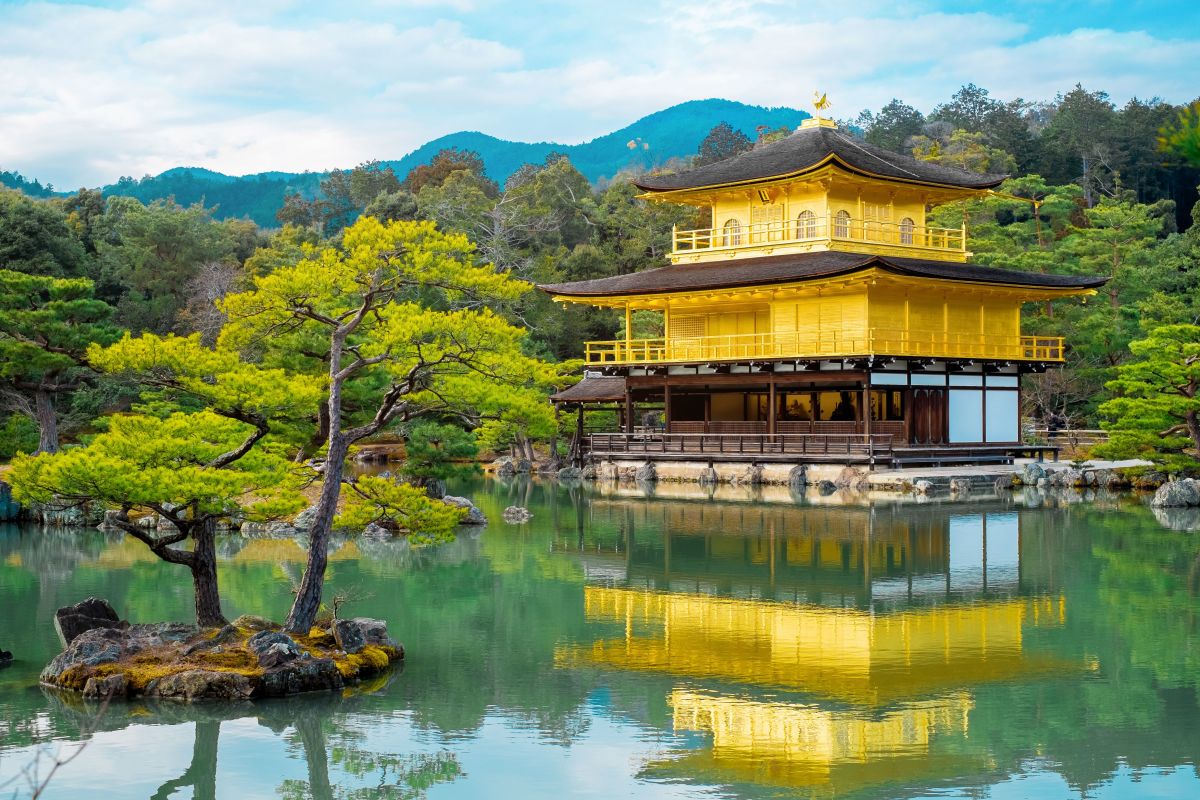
(928, 409)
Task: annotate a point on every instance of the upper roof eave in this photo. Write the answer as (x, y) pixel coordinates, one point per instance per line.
(803, 267)
(808, 149)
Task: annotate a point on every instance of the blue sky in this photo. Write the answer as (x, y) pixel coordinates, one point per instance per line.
(92, 91)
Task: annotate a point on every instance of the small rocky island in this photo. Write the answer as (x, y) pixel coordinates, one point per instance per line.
(251, 657)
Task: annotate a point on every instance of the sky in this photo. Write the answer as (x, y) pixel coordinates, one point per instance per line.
(90, 91)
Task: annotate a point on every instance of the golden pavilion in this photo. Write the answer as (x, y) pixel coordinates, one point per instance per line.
(819, 318)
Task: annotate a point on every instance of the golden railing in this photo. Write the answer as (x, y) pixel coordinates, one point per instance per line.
(919, 237)
(874, 341)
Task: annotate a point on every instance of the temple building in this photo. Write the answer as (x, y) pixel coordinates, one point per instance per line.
(819, 318)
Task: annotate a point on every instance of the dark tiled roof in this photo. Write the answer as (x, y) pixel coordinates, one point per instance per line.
(592, 390)
(807, 148)
(801, 267)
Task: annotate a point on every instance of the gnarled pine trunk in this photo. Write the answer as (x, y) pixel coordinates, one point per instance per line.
(47, 421)
(204, 575)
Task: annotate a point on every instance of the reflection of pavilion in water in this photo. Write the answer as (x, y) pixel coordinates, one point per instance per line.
(883, 619)
(869, 557)
(799, 745)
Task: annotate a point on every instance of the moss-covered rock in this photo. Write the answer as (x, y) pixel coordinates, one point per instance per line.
(232, 663)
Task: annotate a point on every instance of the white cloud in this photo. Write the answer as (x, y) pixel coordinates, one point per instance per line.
(90, 93)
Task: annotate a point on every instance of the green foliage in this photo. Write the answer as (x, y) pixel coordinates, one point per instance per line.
(18, 434)
(47, 325)
(962, 149)
(437, 451)
(445, 163)
(1155, 414)
(892, 127)
(36, 239)
(150, 255)
(722, 142)
(1181, 136)
(146, 464)
(401, 506)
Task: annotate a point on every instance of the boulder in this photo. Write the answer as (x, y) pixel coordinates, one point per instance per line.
(1177, 494)
(750, 476)
(201, 684)
(646, 473)
(273, 648)
(850, 478)
(6, 658)
(376, 531)
(352, 635)
(111, 686)
(522, 466)
(588, 473)
(798, 477)
(503, 468)
(309, 675)
(516, 515)
(570, 474)
(304, 519)
(708, 477)
(70, 621)
(923, 487)
(1031, 473)
(474, 515)
(348, 635)
(1003, 484)
(960, 486)
(826, 488)
(89, 649)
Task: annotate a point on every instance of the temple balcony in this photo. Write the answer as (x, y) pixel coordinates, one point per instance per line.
(814, 233)
(869, 342)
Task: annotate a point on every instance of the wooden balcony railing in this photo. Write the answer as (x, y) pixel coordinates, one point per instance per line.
(839, 447)
(813, 229)
(873, 341)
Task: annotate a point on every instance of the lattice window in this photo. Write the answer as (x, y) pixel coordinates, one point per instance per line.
(766, 223)
(806, 225)
(841, 225)
(731, 235)
(687, 327)
(907, 226)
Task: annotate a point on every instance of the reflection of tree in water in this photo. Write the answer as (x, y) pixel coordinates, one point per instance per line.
(201, 773)
(327, 740)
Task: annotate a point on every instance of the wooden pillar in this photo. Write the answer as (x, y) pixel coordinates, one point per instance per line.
(628, 410)
(579, 437)
(667, 332)
(628, 332)
(771, 412)
(666, 408)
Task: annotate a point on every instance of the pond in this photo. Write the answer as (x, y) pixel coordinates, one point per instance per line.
(619, 645)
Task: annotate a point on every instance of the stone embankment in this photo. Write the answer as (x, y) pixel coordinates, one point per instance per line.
(827, 478)
(248, 658)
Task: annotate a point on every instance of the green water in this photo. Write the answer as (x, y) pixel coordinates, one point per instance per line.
(625, 646)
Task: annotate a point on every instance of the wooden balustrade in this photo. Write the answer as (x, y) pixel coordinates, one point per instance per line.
(871, 341)
(809, 229)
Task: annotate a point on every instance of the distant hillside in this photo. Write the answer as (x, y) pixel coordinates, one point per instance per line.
(652, 141)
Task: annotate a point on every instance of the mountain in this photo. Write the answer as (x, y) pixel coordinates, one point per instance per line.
(652, 141)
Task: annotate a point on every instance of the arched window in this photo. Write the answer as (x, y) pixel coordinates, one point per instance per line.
(731, 233)
(806, 225)
(841, 224)
(906, 230)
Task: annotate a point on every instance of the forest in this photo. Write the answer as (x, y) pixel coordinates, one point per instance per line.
(1096, 188)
